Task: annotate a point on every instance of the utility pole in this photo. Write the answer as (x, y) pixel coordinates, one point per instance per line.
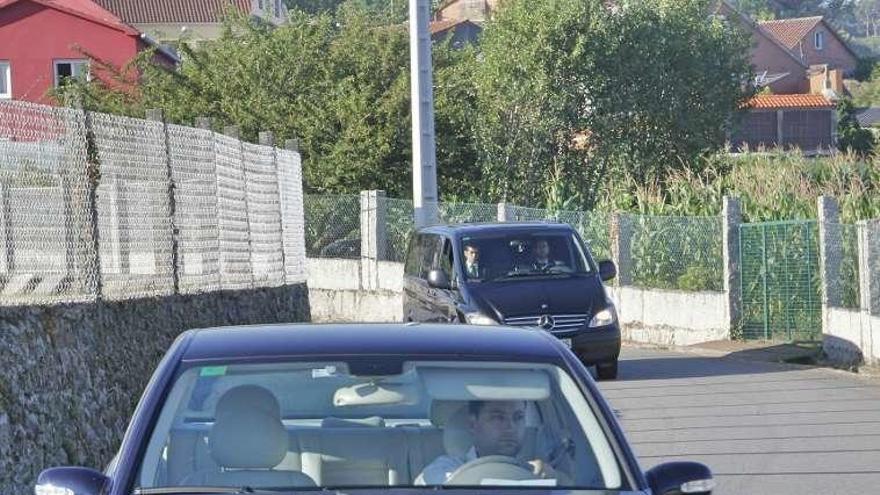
(421, 84)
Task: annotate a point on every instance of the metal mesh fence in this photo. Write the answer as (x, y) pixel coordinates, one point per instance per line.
(333, 226)
(398, 226)
(848, 281)
(94, 205)
(45, 215)
(195, 199)
(293, 221)
(467, 212)
(781, 292)
(264, 215)
(683, 253)
(134, 216)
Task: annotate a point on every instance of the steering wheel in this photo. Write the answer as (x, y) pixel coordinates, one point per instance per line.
(499, 467)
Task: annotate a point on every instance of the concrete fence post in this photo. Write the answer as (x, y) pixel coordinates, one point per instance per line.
(731, 218)
(504, 212)
(780, 129)
(80, 191)
(157, 115)
(621, 247)
(830, 252)
(373, 207)
(267, 138)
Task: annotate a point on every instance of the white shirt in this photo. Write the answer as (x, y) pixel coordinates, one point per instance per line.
(439, 471)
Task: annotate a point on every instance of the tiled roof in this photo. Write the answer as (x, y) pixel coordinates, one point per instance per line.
(790, 32)
(172, 11)
(789, 101)
(86, 9)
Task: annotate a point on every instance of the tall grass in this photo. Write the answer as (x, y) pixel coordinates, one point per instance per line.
(771, 186)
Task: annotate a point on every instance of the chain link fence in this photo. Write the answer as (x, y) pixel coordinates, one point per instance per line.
(104, 206)
(680, 253)
(683, 253)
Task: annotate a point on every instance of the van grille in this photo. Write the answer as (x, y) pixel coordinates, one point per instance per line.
(561, 323)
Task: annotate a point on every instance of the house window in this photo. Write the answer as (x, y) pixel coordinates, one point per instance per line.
(5, 80)
(819, 40)
(71, 69)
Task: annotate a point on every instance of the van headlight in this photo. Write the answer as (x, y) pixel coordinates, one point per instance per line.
(603, 318)
(477, 318)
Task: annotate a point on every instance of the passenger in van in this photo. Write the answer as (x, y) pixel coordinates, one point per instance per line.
(472, 261)
(542, 256)
(497, 428)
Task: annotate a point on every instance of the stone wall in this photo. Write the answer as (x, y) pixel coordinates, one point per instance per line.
(339, 291)
(70, 375)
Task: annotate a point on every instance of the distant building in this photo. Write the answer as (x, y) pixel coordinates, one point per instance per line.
(806, 122)
(463, 31)
(44, 43)
(171, 20)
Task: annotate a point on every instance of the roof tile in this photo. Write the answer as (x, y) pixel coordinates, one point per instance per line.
(789, 101)
(790, 32)
(172, 11)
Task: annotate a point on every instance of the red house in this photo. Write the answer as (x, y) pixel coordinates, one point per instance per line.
(44, 42)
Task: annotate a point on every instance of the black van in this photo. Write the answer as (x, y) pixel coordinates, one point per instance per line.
(517, 274)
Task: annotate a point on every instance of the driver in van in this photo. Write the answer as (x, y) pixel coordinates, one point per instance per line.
(472, 261)
(542, 256)
(497, 428)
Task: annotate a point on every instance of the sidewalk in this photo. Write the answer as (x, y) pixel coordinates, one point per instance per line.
(802, 354)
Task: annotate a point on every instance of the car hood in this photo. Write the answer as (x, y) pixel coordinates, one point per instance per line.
(549, 295)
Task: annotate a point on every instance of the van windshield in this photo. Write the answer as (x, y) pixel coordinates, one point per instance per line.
(508, 256)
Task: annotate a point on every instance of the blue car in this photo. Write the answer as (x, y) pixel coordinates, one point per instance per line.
(365, 409)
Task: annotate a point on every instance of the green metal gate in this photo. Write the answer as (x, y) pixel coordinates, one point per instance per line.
(780, 281)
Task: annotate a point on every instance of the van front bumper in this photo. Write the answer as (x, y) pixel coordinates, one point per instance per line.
(595, 345)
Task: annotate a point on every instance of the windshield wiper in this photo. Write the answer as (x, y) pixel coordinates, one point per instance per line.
(169, 490)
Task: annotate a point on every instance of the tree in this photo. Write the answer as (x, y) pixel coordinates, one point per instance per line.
(851, 137)
(571, 95)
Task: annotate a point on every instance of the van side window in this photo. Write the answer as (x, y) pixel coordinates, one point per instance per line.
(427, 254)
(446, 262)
(412, 256)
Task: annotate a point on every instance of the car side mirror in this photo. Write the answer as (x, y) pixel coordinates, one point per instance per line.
(438, 279)
(71, 481)
(677, 478)
(607, 270)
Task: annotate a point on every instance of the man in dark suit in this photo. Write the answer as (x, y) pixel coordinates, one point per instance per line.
(472, 261)
(542, 256)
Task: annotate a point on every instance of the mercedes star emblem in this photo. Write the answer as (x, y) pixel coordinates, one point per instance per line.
(546, 322)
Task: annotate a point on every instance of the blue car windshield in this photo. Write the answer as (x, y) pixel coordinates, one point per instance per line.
(293, 426)
(508, 256)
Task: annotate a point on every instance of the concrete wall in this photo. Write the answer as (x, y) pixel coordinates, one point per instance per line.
(667, 317)
(851, 337)
(337, 291)
(71, 374)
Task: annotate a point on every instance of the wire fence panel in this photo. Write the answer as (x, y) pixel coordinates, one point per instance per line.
(292, 221)
(780, 281)
(232, 215)
(848, 282)
(45, 256)
(195, 208)
(264, 215)
(333, 226)
(467, 212)
(399, 225)
(682, 253)
(134, 214)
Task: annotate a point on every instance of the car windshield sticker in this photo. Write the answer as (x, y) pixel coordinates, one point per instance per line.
(213, 371)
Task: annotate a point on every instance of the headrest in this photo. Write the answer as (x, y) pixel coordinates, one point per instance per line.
(454, 418)
(372, 422)
(248, 432)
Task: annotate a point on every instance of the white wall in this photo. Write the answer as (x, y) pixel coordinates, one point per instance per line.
(336, 292)
(851, 336)
(669, 317)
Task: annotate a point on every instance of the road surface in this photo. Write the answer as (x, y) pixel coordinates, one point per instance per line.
(763, 428)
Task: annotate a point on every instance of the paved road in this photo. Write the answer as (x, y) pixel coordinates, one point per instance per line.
(763, 428)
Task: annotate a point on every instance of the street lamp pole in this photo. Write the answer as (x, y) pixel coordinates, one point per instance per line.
(424, 158)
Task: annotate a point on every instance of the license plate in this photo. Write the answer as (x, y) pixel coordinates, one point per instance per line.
(567, 342)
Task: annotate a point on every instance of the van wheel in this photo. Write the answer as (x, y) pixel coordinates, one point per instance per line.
(607, 371)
